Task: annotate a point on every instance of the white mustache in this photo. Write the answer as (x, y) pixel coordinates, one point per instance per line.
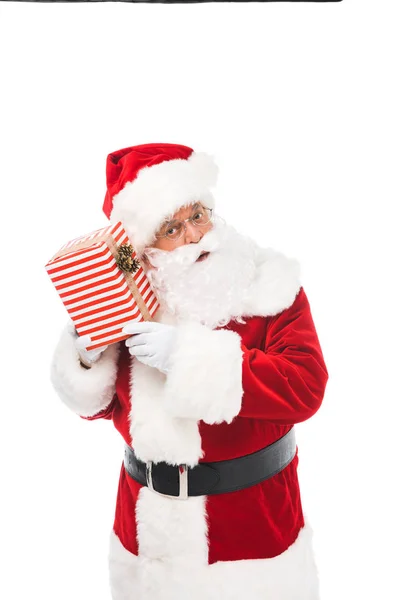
(188, 253)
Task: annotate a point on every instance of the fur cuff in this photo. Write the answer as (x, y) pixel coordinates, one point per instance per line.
(85, 391)
(205, 378)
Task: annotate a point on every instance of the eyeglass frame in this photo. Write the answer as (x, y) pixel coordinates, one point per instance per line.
(183, 221)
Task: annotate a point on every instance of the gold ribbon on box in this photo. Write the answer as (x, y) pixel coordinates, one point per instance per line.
(125, 262)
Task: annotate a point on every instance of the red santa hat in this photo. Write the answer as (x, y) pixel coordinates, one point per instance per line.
(148, 183)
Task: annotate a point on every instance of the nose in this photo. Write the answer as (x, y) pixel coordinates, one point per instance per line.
(192, 233)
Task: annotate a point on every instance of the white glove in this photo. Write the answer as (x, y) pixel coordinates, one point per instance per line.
(81, 342)
(151, 342)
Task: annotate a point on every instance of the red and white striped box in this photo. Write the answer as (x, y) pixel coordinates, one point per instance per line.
(99, 297)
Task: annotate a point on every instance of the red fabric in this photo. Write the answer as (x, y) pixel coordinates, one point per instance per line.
(284, 380)
(258, 522)
(106, 413)
(125, 522)
(122, 166)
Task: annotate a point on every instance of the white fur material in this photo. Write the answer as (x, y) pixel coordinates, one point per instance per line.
(124, 571)
(275, 285)
(160, 190)
(85, 391)
(291, 575)
(156, 435)
(205, 379)
(171, 529)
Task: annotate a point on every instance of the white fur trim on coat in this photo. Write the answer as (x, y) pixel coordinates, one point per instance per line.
(275, 286)
(85, 391)
(155, 434)
(292, 575)
(205, 378)
(160, 190)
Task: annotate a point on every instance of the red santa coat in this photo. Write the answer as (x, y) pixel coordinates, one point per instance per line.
(231, 391)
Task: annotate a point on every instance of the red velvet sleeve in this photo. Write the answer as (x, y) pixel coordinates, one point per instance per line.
(285, 381)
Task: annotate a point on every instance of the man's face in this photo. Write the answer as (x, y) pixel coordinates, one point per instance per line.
(203, 274)
(192, 229)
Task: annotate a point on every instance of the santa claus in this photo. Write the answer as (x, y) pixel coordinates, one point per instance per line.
(206, 396)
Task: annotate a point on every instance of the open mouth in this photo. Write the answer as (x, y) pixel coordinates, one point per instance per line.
(202, 256)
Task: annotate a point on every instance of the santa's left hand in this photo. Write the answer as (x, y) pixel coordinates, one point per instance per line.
(151, 343)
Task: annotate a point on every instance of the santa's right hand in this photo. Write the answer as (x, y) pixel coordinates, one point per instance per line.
(87, 357)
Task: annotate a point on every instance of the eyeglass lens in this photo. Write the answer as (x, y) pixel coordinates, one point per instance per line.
(174, 229)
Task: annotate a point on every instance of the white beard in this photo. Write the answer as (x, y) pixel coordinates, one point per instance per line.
(211, 291)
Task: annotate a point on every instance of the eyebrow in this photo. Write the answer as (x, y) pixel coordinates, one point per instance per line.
(168, 221)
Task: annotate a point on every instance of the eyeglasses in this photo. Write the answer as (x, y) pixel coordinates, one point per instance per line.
(173, 230)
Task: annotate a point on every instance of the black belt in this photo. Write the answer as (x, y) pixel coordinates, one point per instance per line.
(220, 477)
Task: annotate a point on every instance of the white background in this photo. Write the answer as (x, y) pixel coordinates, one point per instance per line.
(299, 104)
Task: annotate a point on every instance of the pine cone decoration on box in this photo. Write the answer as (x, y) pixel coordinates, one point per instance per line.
(124, 259)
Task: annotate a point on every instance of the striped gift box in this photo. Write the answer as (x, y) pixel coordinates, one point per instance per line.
(100, 297)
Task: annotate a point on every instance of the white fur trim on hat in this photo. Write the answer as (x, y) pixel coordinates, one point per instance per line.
(160, 190)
